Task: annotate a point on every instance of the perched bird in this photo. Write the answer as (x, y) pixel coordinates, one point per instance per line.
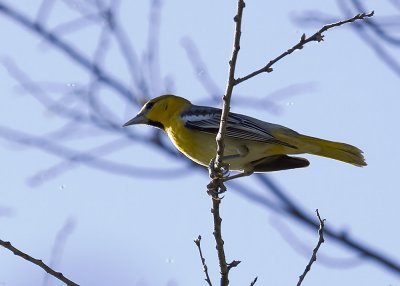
(251, 145)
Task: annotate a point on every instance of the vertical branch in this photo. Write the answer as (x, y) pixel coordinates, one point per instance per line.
(58, 246)
(217, 166)
(229, 87)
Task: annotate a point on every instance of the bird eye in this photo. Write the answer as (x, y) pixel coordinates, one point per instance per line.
(149, 105)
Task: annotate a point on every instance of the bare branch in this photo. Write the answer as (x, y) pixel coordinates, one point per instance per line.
(321, 240)
(38, 262)
(317, 37)
(377, 46)
(203, 260)
(216, 167)
(298, 244)
(254, 281)
(229, 87)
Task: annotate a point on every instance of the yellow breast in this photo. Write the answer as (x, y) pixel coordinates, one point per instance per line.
(197, 146)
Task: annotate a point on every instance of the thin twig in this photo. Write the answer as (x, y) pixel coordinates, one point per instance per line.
(203, 260)
(296, 242)
(37, 262)
(378, 30)
(216, 181)
(313, 258)
(377, 40)
(254, 281)
(317, 37)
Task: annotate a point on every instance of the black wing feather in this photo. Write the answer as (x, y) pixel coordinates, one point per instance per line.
(207, 119)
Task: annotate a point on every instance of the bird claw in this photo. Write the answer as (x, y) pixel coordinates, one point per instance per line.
(224, 172)
(216, 188)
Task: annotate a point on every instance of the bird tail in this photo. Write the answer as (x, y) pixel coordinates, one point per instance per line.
(334, 150)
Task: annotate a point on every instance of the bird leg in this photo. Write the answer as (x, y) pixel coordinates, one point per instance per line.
(216, 186)
(213, 174)
(219, 179)
(242, 151)
(242, 174)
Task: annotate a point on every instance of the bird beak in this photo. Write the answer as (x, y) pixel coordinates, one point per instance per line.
(138, 119)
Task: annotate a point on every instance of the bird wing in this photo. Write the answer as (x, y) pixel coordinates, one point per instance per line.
(207, 119)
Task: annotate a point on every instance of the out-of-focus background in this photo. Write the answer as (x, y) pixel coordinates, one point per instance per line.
(107, 205)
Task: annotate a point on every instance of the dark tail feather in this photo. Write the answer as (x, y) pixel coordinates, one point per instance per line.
(278, 162)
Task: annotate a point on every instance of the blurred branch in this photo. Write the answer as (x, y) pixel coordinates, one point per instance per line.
(294, 210)
(321, 240)
(6, 211)
(44, 10)
(59, 168)
(87, 158)
(377, 47)
(91, 156)
(200, 68)
(70, 51)
(152, 51)
(38, 262)
(58, 246)
(125, 46)
(317, 37)
(281, 204)
(377, 29)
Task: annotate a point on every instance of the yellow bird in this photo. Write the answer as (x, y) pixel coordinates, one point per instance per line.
(251, 145)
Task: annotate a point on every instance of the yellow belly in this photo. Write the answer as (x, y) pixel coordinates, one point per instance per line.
(200, 147)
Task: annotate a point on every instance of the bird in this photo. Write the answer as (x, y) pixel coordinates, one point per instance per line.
(251, 145)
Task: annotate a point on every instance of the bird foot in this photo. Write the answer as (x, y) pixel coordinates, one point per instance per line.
(220, 174)
(216, 188)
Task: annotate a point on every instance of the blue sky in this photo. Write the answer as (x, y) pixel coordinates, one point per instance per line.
(139, 230)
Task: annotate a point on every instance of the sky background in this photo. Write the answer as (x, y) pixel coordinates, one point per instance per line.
(139, 229)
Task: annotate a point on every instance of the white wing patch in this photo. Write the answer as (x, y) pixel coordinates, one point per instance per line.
(196, 117)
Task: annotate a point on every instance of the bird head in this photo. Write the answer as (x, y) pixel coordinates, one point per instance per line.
(159, 111)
